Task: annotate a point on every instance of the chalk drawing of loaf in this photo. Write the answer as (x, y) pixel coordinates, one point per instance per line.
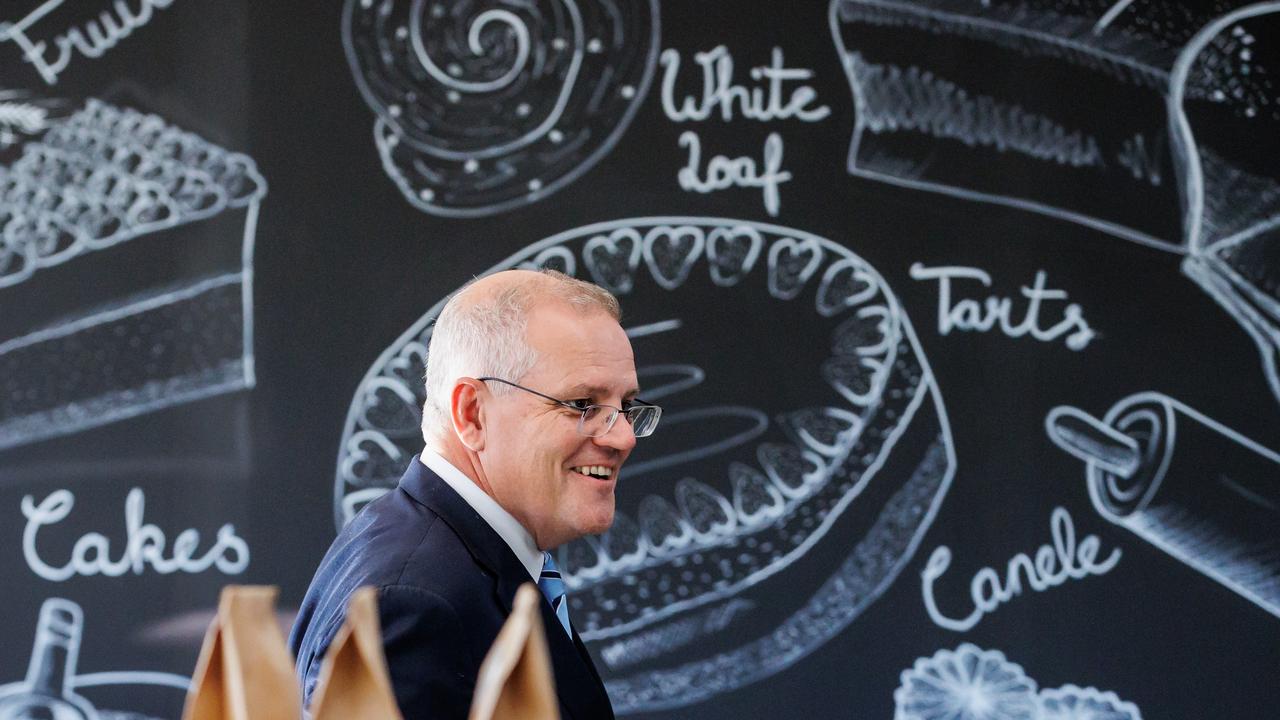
(1157, 122)
(803, 453)
(126, 266)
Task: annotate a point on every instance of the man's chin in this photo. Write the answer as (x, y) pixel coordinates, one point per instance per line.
(600, 523)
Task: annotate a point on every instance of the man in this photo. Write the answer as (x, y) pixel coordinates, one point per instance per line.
(531, 411)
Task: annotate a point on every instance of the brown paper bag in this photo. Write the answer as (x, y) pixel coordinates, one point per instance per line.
(244, 671)
(353, 680)
(515, 681)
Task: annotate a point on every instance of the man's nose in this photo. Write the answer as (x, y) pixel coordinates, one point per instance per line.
(620, 436)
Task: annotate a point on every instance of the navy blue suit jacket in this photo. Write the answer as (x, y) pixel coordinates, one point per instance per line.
(446, 581)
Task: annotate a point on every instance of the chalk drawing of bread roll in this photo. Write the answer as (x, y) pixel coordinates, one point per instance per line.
(804, 450)
(126, 265)
(1183, 482)
(486, 106)
(1089, 124)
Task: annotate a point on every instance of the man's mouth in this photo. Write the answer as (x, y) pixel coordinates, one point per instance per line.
(598, 472)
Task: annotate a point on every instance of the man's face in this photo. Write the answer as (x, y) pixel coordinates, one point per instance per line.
(534, 458)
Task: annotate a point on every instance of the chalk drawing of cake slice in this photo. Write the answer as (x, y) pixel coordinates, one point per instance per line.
(126, 249)
(803, 453)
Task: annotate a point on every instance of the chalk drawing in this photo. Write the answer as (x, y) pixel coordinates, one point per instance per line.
(1187, 171)
(1242, 273)
(94, 185)
(51, 684)
(721, 172)
(1232, 208)
(91, 39)
(1053, 566)
(720, 91)
(970, 683)
(20, 117)
(854, 453)
(1194, 488)
(144, 545)
(762, 98)
(967, 314)
(487, 106)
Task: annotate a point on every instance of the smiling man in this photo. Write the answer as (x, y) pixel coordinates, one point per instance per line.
(531, 411)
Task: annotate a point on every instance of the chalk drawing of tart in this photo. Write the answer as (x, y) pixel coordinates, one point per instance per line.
(804, 450)
(126, 249)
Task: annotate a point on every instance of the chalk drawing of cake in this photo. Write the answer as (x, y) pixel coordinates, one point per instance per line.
(126, 248)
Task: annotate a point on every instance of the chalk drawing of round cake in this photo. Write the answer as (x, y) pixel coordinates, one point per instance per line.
(126, 250)
(485, 106)
(803, 451)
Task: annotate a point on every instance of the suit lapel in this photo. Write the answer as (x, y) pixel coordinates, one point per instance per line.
(577, 683)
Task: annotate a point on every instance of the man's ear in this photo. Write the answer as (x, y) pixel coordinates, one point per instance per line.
(465, 413)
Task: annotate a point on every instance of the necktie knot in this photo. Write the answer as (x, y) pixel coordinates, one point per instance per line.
(552, 587)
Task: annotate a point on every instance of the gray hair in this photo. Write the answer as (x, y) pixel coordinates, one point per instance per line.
(486, 336)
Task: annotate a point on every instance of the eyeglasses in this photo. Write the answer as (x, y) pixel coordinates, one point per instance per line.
(597, 420)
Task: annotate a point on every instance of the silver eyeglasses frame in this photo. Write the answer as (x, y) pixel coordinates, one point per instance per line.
(638, 415)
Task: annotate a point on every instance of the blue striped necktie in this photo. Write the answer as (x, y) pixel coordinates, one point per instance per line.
(552, 587)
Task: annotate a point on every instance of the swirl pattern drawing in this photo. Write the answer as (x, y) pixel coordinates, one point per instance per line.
(485, 106)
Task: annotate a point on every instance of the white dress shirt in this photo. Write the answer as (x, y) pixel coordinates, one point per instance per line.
(508, 528)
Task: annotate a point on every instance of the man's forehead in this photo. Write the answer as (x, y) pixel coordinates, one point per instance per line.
(554, 324)
(627, 387)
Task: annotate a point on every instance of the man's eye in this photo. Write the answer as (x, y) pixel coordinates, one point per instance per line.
(580, 404)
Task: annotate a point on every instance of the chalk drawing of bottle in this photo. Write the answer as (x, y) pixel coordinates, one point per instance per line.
(1185, 483)
(46, 693)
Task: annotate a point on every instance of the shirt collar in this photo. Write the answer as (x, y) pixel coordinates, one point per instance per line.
(504, 523)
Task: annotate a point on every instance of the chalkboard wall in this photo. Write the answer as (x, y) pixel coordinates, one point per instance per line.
(965, 316)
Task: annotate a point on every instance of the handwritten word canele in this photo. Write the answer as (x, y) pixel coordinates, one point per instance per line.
(144, 544)
(994, 311)
(1053, 566)
(772, 95)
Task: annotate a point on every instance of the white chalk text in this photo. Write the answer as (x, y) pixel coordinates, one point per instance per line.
(144, 544)
(972, 315)
(773, 94)
(1053, 565)
(92, 39)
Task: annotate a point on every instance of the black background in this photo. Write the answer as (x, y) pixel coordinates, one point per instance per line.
(344, 265)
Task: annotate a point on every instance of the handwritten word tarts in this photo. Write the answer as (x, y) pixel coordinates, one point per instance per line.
(998, 312)
(771, 95)
(1053, 565)
(144, 545)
